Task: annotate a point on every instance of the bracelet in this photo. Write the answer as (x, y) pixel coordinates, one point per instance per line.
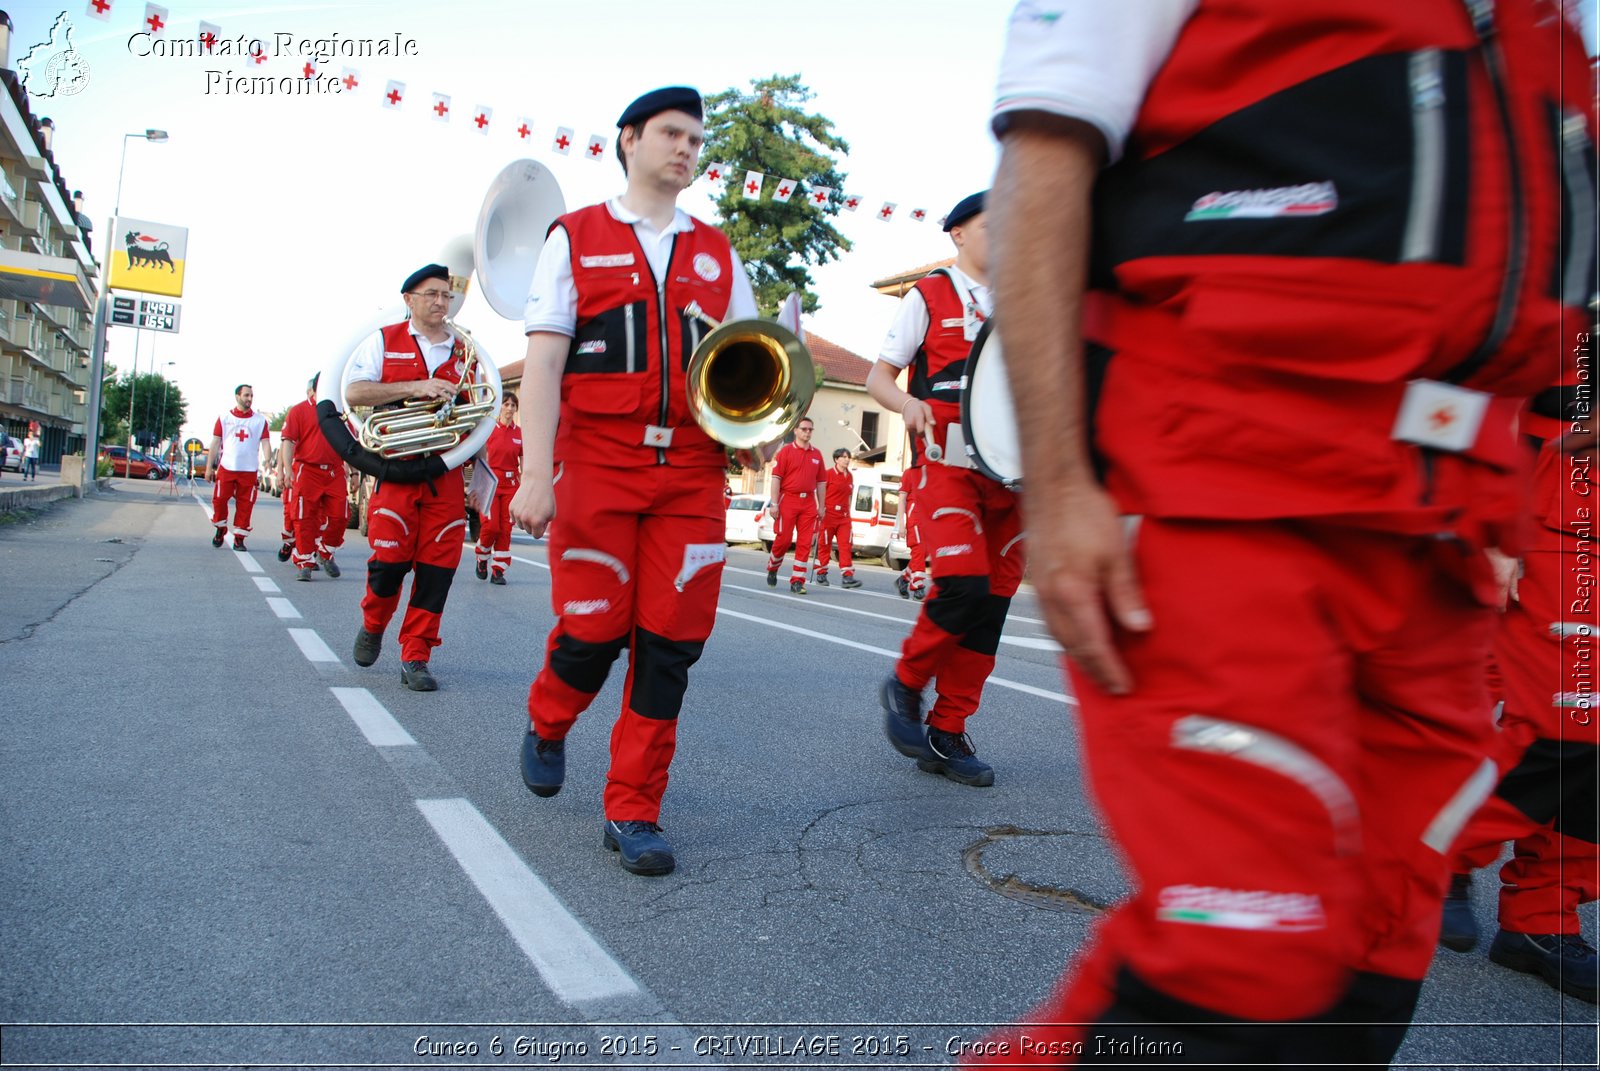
(903, 408)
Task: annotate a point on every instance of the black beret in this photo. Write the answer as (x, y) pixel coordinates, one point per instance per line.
(422, 275)
(964, 210)
(671, 98)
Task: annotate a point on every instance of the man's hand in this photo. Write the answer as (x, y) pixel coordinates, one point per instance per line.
(533, 507)
(435, 389)
(918, 416)
(1507, 570)
(1078, 558)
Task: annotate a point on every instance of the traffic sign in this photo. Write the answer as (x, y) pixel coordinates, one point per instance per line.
(193, 447)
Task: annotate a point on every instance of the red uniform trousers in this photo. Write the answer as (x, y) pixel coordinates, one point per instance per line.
(974, 527)
(1305, 738)
(1547, 800)
(795, 512)
(635, 562)
(239, 486)
(320, 504)
(835, 529)
(916, 570)
(413, 526)
(494, 530)
(288, 515)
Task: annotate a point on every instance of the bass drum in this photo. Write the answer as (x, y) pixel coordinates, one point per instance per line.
(988, 415)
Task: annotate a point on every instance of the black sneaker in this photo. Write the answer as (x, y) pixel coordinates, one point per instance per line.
(850, 582)
(415, 675)
(544, 764)
(329, 566)
(797, 587)
(1458, 929)
(902, 718)
(368, 646)
(284, 552)
(772, 578)
(954, 757)
(216, 540)
(483, 570)
(304, 573)
(1565, 961)
(902, 587)
(919, 593)
(238, 542)
(498, 578)
(644, 850)
(822, 579)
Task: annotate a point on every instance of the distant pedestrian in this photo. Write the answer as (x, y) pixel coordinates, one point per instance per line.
(835, 523)
(239, 439)
(30, 458)
(503, 454)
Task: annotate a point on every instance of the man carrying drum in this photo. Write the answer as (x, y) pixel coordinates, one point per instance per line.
(971, 524)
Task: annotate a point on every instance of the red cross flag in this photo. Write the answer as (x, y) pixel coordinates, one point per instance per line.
(351, 78)
(100, 9)
(716, 172)
(752, 184)
(441, 107)
(820, 195)
(155, 20)
(308, 69)
(563, 141)
(393, 94)
(210, 34)
(852, 201)
(480, 119)
(258, 53)
(886, 213)
(784, 189)
(597, 147)
(919, 214)
(524, 128)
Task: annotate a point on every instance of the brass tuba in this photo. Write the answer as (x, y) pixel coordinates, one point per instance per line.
(434, 427)
(749, 381)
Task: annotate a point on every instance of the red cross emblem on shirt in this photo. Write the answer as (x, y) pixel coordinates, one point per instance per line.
(350, 81)
(440, 108)
(155, 22)
(1442, 417)
(523, 131)
(208, 39)
(562, 142)
(241, 435)
(101, 6)
(309, 69)
(394, 96)
(482, 120)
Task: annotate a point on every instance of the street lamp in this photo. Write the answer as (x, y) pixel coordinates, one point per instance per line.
(161, 415)
(845, 424)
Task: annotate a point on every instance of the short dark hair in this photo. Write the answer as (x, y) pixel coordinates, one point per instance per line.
(241, 387)
(841, 452)
(637, 130)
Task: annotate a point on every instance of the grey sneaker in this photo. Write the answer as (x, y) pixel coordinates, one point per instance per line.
(954, 757)
(415, 675)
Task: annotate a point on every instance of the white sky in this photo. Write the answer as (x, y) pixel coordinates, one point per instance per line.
(305, 213)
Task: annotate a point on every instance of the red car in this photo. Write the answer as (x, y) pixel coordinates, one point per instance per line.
(141, 467)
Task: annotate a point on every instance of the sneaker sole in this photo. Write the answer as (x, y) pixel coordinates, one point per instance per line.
(643, 867)
(1457, 942)
(938, 766)
(1528, 963)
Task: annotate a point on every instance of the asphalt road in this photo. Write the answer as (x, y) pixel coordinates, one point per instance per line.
(225, 844)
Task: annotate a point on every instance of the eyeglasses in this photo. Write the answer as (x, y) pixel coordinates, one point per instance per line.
(803, 427)
(432, 295)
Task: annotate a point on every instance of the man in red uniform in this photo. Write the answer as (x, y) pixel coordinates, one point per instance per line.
(795, 487)
(240, 442)
(970, 521)
(503, 454)
(835, 526)
(311, 473)
(1267, 426)
(1548, 799)
(912, 583)
(411, 526)
(611, 451)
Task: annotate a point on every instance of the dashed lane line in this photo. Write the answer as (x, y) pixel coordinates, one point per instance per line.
(311, 645)
(372, 718)
(284, 609)
(266, 584)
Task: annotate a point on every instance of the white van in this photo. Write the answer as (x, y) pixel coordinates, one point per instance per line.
(872, 514)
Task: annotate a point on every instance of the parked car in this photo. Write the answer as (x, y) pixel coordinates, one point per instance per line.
(744, 516)
(10, 453)
(872, 514)
(138, 466)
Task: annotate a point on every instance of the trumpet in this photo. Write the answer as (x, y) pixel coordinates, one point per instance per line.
(420, 426)
(749, 381)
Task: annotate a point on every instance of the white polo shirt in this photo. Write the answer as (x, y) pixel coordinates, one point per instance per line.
(366, 362)
(911, 319)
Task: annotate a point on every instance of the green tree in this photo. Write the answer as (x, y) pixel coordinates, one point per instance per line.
(276, 421)
(159, 409)
(768, 130)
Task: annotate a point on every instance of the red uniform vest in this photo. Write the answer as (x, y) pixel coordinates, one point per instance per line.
(624, 399)
(939, 370)
(310, 445)
(502, 452)
(402, 357)
(841, 489)
(1319, 202)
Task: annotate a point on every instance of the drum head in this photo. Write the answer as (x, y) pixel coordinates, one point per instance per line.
(988, 417)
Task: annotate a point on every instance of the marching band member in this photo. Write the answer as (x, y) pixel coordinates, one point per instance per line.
(411, 526)
(835, 524)
(241, 442)
(312, 476)
(503, 454)
(610, 450)
(970, 522)
(794, 488)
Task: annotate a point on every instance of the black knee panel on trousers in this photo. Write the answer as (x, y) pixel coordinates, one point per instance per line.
(1554, 781)
(384, 578)
(984, 637)
(581, 665)
(661, 674)
(1368, 1024)
(431, 587)
(959, 603)
(1145, 1027)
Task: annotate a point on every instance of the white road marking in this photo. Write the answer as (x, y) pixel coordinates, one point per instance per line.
(265, 583)
(1001, 682)
(284, 609)
(247, 560)
(311, 645)
(860, 593)
(372, 718)
(566, 955)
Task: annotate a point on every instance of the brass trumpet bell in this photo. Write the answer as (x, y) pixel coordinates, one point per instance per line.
(749, 381)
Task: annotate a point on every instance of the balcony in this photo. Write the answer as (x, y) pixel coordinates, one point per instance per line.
(45, 280)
